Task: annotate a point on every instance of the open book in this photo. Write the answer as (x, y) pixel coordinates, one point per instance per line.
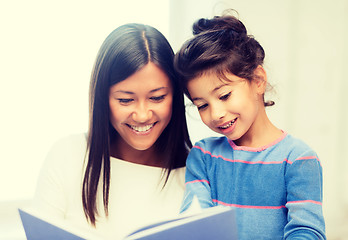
(212, 223)
(39, 227)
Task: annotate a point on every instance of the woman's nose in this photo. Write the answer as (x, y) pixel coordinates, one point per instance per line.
(142, 113)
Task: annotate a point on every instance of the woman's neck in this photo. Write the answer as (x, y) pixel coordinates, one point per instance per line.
(121, 150)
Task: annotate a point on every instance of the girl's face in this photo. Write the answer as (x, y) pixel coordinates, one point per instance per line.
(228, 107)
(141, 106)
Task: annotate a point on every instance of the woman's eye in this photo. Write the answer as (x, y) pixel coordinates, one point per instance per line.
(202, 107)
(158, 98)
(125, 100)
(225, 97)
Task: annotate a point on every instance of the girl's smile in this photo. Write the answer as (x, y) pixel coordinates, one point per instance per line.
(228, 127)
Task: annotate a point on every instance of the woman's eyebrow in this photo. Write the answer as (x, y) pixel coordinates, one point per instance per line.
(122, 91)
(129, 92)
(157, 89)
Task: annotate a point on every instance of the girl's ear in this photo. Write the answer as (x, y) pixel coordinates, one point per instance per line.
(260, 79)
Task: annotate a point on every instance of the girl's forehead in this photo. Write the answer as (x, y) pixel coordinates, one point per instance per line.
(215, 79)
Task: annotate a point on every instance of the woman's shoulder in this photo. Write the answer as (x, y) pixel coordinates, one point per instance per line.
(67, 150)
(72, 139)
(71, 142)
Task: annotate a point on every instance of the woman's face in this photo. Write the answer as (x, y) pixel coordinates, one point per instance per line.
(141, 106)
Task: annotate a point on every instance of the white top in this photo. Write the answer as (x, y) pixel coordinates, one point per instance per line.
(136, 195)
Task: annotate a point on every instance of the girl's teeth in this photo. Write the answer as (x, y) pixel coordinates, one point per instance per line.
(228, 125)
(143, 128)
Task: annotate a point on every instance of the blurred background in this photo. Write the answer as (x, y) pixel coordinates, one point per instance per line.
(47, 50)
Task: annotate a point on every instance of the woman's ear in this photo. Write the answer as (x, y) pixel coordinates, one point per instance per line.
(260, 79)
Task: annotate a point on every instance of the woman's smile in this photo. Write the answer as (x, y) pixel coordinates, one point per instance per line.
(142, 129)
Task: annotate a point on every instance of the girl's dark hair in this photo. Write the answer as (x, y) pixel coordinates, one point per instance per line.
(126, 50)
(219, 45)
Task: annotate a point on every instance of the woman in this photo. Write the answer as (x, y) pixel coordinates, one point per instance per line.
(129, 170)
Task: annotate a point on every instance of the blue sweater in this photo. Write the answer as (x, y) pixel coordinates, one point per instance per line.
(276, 189)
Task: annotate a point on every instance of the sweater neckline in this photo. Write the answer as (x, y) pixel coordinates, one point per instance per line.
(258, 149)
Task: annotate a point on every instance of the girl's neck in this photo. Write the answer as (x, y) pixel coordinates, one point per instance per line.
(261, 133)
(121, 150)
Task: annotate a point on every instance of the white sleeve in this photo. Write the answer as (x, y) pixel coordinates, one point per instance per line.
(58, 177)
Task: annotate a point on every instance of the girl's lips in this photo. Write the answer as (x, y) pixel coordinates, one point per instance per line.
(228, 127)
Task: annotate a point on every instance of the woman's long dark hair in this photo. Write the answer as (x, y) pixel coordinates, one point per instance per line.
(126, 50)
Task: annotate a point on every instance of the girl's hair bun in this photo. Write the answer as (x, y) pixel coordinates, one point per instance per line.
(226, 24)
(201, 25)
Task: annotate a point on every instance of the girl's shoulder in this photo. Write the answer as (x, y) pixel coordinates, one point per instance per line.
(296, 147)
(212, 143)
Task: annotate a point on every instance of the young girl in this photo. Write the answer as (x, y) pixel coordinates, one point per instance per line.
(128, 170)
(272, 179)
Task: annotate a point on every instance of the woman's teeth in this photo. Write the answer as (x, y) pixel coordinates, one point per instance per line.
(228, 125)
(142, 128)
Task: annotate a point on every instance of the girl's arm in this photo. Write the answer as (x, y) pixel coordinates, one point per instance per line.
(197, 182)
(304, 198)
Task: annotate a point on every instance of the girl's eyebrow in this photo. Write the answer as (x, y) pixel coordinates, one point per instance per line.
(196, 99)
(215, 89)
(218, 87)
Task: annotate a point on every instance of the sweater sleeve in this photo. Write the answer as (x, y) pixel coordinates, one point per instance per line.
(304, 198)
(196, 180)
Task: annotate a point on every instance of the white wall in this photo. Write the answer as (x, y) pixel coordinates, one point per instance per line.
(47, 53)
(306, 61)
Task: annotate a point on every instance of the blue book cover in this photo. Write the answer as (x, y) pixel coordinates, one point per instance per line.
(37, 228)
(213, 223)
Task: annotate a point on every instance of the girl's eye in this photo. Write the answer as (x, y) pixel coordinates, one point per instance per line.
(225, 97)
(158, 98)
(202, 107)
(125, 100)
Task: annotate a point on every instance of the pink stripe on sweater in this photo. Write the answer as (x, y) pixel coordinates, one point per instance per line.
(203, 180)
(241, 161)
(257, 149)
(306, 201)
(247, 206)
(264, 207)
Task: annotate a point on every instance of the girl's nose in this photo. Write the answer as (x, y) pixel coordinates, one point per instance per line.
(142, 113)
(217, 112)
